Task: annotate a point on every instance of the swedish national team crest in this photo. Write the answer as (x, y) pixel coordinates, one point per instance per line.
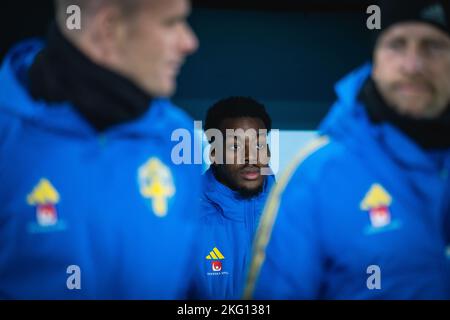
(377, 203)
(156, 184)
(44, 197)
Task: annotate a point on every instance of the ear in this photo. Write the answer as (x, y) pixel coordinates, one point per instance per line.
(106, 33)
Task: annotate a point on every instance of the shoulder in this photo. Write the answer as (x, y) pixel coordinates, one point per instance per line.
(10, 128)
(313, 162)
(175, 117)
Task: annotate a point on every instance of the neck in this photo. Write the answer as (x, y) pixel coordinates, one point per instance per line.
(427, 133)
(62, 73)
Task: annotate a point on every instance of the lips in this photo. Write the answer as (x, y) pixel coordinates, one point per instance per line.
(174, 66)
(174, 69)
(251, 173)
(413, 88)
(178, 63)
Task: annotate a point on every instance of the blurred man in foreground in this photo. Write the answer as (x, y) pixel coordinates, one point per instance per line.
(364, 211)
(92, 205)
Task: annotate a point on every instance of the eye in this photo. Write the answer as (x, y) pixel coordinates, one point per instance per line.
(174, 21)
(397, 44)
(435, 47)
(234, 147)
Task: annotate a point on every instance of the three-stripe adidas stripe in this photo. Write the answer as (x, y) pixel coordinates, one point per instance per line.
(215, 254)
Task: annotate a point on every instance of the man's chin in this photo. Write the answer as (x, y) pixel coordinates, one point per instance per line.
(248, 193)
(162, 90)
(413, 110)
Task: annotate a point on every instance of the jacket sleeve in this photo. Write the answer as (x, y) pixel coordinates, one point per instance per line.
(10, 132)
(5, 129)
(287, 245)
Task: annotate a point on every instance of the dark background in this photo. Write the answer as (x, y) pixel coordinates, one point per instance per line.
(286, 53)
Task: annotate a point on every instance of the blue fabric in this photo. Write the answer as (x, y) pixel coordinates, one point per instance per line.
(324, 239)
(228, 223)
(71, 196)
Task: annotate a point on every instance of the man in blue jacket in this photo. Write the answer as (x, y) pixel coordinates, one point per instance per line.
(234, 193)
(364, 211)
(92, 204)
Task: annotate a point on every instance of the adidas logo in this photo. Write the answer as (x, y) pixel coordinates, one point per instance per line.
(215, 254)
(434, 13)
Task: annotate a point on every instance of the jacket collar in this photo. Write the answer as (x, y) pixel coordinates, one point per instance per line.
(349, 123)
(232, 205)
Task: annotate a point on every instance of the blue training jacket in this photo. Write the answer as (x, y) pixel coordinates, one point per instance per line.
(364, 213)
(228, 226)
(85, 215)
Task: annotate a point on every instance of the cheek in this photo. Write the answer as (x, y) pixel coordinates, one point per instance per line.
(264, 156)
(230, 171)
(384, 66)
(230, 156)
(140, 53)
(441, 78)
(150, 45)
(163, 44)
(445, 90)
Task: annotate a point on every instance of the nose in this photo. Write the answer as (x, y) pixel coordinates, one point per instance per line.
(413, 61)
(189, 41)
(251, 154)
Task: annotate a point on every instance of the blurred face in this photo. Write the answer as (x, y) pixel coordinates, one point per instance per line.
(154, 44)
(412, 69)
(243, 156)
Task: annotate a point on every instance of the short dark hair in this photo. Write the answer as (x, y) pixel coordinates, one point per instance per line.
(127, 7)
(236, 107)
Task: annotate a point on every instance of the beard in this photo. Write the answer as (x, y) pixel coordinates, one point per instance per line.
(225, 178)
(246, 193)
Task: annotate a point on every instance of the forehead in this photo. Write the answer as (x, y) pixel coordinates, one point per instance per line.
(414, 31)
(163, 8)
(244, 123)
